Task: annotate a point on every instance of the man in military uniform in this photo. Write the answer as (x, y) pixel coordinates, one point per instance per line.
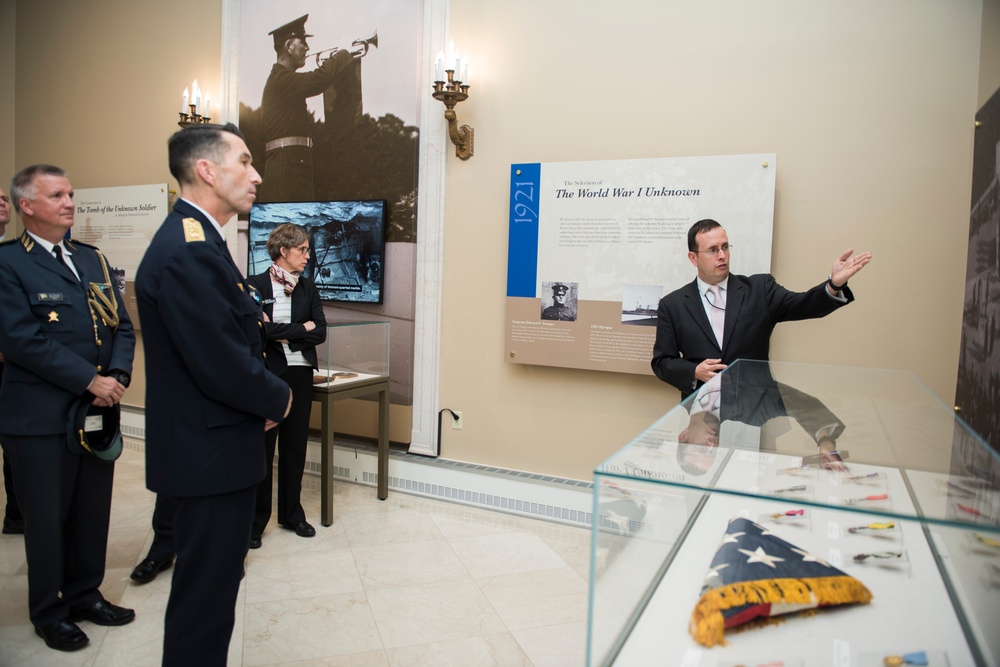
(64, 331)
(286, 121)
(559, 310)
(209, 395)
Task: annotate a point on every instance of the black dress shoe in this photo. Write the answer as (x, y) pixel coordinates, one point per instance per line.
(255, 542)
(148, 568)
(63, 636)
(103, 613)
(303, 529)
(13, 526)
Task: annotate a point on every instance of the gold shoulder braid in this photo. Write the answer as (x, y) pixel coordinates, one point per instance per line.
(193, 231)
(102, 305)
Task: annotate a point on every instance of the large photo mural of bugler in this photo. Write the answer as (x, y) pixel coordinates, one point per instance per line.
(329, 105)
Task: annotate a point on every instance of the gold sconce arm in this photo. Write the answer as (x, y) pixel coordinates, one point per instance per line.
(451, 92)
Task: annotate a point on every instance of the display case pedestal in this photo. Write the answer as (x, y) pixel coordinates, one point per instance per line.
(328, 394)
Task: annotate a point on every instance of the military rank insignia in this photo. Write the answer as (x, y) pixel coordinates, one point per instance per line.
(193, 230)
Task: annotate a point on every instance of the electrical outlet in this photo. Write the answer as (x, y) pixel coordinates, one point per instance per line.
(456, 423)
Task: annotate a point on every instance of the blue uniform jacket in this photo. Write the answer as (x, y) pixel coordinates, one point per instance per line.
(52, 345)
(208, 390)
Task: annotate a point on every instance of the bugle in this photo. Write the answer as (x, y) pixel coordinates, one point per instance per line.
(359, 48)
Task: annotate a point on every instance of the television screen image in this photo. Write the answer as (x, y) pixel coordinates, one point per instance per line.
(347, 240)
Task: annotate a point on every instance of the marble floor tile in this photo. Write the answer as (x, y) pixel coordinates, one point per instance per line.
(501, 650)
(409, 564)
(302, 575)
(563, 645)
(410, 615)
(488, 555)
(537, 599)
(286, 631)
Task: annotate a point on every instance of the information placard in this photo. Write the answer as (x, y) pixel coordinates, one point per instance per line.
(593, 246)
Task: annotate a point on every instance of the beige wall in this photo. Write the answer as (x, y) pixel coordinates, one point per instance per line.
(7, 169)
(869, 107)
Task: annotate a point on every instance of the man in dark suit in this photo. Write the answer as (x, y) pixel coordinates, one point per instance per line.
(721, 317)
(64, 331)
(209, 395)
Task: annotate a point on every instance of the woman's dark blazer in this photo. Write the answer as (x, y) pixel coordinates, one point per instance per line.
(306, 306)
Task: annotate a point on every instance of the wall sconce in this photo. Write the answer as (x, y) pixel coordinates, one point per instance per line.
(452, 91)
(191, 107)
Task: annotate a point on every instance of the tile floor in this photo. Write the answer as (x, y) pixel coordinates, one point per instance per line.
(405, 582)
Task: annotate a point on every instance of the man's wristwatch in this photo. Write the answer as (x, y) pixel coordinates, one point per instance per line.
(122, 377)
(829, 281)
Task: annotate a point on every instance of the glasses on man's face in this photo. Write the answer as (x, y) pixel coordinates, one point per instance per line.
(715, 250)
(304, 249)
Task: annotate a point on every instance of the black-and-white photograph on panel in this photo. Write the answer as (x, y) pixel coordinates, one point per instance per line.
(977, 393)
(329, 102)
(559, 301)
(639, 304)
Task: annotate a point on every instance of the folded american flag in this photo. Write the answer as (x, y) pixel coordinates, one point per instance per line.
(756, 575)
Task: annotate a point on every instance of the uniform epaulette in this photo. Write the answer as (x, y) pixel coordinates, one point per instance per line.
(76, 242)
(193, 231)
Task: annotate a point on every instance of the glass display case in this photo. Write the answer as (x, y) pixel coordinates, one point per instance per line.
(793, 514)
(353, 351)
(354, 362)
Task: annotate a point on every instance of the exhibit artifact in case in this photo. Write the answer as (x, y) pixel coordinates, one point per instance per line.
(794, 514)
(353, 352)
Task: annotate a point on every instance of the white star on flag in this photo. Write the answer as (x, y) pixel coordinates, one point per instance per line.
(733, 538)
(760, 556)
(809, 558)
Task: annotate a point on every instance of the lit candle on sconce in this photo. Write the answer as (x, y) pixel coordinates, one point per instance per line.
(451, 86)
(196, 95)
(184, 102)
(208, 104)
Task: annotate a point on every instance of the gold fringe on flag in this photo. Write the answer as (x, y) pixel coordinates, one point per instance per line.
(707, 623)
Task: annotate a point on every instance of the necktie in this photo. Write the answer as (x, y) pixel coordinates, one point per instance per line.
(57, 251)
(717, 307)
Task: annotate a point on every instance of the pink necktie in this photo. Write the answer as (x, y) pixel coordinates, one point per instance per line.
(717, 306)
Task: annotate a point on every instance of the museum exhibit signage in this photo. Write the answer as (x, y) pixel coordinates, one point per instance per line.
(593, 246)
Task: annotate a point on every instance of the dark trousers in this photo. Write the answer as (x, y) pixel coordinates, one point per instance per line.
(162, 548)
(66, 502)
(292, 436)
(212, 535)
(12, 513)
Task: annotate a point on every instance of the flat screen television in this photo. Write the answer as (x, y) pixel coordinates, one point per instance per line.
(347, 240)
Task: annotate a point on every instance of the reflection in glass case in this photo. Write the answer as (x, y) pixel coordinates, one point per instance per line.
(353, 351)
(798, 514)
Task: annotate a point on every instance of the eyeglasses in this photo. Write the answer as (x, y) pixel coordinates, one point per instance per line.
(304, 249)
(714, 251)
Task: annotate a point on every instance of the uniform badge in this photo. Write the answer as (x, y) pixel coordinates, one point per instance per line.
(50, 296)
(193, 230)
(53, 316)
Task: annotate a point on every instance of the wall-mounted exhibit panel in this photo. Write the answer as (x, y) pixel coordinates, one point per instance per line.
(593, 246)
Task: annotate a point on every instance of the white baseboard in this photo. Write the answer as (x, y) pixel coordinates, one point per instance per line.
(512, 491)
